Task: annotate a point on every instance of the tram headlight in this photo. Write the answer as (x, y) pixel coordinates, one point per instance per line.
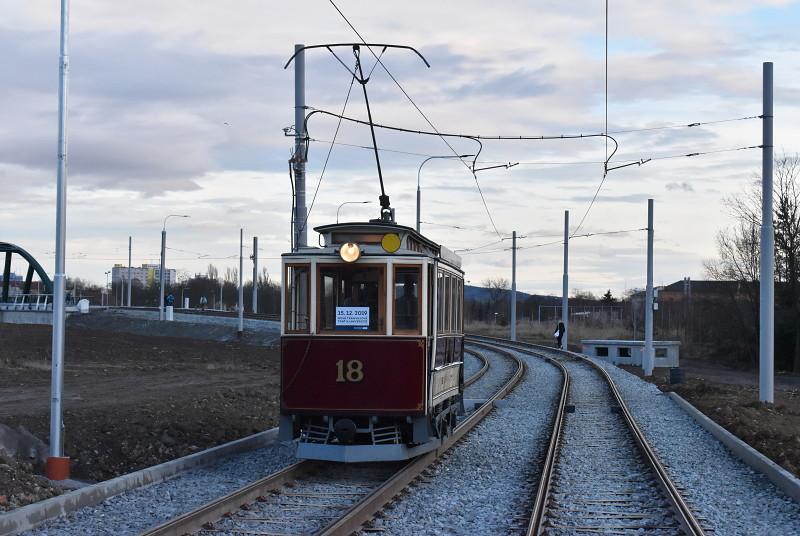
(350, 252)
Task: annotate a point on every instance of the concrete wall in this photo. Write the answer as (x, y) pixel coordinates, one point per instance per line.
(620, 352)
(26, 317)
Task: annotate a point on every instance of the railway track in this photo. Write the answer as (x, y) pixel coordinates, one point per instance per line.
(312, 497)
(599, 475)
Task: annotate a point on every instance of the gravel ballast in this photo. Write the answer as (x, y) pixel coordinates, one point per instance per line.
(735, 499)
(471, 364)
(500, 370)
(134, 511)
(488, 478)
(600, 479)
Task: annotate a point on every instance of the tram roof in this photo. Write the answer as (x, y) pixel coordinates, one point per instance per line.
(366, 232)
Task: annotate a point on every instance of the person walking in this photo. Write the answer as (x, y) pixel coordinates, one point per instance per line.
(559, 334)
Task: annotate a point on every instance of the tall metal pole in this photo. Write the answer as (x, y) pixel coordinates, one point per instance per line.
(130, 247)
(648, 359)
(255, 274)
(57, 464)
(241, 282)
(565, 282)
(766, 354)
(514, 286)
(161, 273)
(300, 214)
(419, 205)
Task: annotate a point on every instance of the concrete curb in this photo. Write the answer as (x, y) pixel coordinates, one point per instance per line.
(32, 515)
(779, 476)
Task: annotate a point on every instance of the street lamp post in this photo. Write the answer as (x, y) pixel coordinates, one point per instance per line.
(349, 203)
(161, 273)
(106, 290)
(419, 171)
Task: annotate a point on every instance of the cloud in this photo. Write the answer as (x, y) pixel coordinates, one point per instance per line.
(153, 85)
(626, 198)
(520, 84)
(679, 187)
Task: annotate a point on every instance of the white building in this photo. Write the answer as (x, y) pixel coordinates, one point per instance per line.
(146, 274)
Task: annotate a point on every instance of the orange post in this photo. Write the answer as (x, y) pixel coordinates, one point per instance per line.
(57, 468)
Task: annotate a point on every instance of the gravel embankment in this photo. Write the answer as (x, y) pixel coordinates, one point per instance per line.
(734, 498)
(134, 511)
(484, 484)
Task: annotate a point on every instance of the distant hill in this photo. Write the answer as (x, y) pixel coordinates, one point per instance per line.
(482, 294)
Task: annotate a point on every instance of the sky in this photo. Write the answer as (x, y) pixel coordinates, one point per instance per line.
(179, 108)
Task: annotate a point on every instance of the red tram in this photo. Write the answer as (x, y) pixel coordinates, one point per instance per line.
(371, 344)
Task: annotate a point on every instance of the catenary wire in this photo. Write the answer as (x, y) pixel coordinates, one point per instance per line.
(554, 242)
(459, 227)
(562, 163)
(480, 247)
(686, 125)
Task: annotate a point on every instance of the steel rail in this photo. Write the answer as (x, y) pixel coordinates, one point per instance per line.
(685, 516)
(478, 375)
(352, 520)
(362, 511)
(549, 463)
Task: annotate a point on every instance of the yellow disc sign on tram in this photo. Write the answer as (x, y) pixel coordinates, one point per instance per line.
(390, 242)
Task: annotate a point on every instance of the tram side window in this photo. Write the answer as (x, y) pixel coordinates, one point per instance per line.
(352, 298)
(457, 294)
(439, 301)
(450, 281)
(454, 302)
(461, 306)
(406, 299)
(297, 298)
(445, 301)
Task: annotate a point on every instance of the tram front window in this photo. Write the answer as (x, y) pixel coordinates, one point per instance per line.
(352, 298)
(406, 299)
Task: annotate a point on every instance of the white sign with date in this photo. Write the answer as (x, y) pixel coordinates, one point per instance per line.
(353, 318)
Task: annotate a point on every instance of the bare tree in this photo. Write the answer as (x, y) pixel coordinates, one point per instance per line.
(231, 275)
(498, 288)
(739, 246)
(787, 239)
(738, 249)
(580, 294)
(212, 272)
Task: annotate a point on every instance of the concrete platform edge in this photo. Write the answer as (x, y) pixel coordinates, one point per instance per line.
(779, 476)
(32, 515)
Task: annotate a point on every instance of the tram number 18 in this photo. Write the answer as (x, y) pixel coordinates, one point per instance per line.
(350, 371)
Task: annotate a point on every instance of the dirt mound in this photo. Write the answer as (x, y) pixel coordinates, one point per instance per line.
(111, 441)
(131, 401)
(19, 485)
